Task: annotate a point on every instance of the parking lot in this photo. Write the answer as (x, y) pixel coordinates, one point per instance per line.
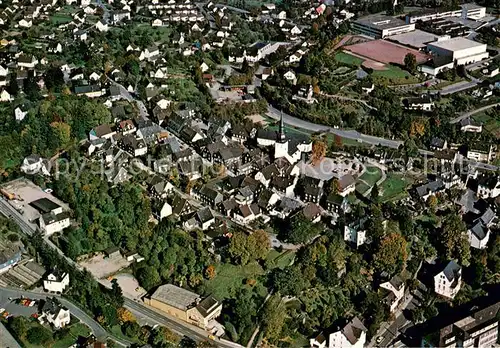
(129, 285)
(12, 308)
(102, 267)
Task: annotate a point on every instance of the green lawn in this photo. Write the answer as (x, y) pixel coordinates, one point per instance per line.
(75, 331)
(394, 187)
(347, 58)
(361, 187)
(230, 278)
(60, 19)
(280, 260)
(371, 175)
(489, 121)
(394, 75)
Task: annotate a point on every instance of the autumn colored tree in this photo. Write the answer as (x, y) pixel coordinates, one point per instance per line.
(454, 241)
(335, 185)
(417, 128)
(244, 248)
(316, 89)
(124, 315)
(61, 133)
(318, 151)
(210, 272)
(391, 255)
(432, 201)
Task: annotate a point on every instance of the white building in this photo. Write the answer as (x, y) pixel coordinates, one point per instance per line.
(447, 282)
(396, 292)
(467, 11)
(55, 314)
(352, 335)
(479, 235)
(56, 282)
(381, 26)
(53, 219)
(355, 234)
(460, 50)
(34, 164)
(488, 187)
(481, 153)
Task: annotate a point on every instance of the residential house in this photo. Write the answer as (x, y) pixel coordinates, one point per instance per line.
(488, 186)
(136, 147)
(438, 144)
(351, 334)
(312, 212)
(27, 61)
(102, 26)
(56, 282)
(20, 114)
(120, 16)
(55, 47)
(5, 96)
(346, 185)
(163, 210)
(479, 235)
(246, 213)
(395, 292)
(336, 203)
(55, 314)
(103, 131)
(424, 103)
(209, 195)
(355, 233)
(205, 218)
(91, 91)
(312, 189)
(181, 207)
(429, 189)
(447, 283)
(469, 125)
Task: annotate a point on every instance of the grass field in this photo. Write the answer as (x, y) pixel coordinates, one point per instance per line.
(489, 121)
(394, 75)
(280, 260)
(394, 187)
(60, 19)
(361, 187)
(230, 278)
(371, 175)
(75, 331)
(347, 58)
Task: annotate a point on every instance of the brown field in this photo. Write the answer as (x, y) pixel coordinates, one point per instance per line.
(385, 52)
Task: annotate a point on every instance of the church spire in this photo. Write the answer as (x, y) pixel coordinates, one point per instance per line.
(281, 134)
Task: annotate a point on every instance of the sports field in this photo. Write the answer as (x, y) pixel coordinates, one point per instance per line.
(385, 52)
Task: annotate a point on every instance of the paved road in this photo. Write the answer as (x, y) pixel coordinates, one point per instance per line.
(349, 134)
(454, 88)
(126, 95)
(174, 324)
(94, 326)
(470, 113)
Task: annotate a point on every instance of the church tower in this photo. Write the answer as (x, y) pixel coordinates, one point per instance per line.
(281, 145)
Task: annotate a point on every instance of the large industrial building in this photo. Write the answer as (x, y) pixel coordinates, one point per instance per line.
(467, 11)
(460, 50)
(381, 26)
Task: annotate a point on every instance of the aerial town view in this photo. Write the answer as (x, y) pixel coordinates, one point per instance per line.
(249, 173)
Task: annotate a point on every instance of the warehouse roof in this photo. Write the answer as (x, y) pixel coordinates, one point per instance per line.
(456, 44)
(175, 296)
(380, 21)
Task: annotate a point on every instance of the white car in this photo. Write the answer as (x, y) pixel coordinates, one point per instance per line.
(2, 310)
(379, 339)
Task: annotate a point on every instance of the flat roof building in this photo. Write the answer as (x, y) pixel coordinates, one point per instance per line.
(466, 11)
(380, 26)
(417, 39)
(460, 50)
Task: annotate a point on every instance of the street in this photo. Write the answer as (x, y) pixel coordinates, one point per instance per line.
(94, 326)
(470, 113)
(175, 324)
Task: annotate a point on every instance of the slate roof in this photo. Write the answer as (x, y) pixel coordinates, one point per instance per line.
(451, 270)
(432, 186)
(479, 230)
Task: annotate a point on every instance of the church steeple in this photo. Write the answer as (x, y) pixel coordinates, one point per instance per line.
(281, 132)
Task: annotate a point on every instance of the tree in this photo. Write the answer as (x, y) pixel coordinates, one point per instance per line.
(125, 315)
(453, 238)
(432, 201)
(13, 87)
(31, 88)
(39, 335)
(289, 281)
(302, 229)
(243, 248)
(18, 326)
(273, 318)
(374, 194)
(410, 62)
(318, 151)
(61, 133)
(391, 255)
(131, 329)
(148, 277)
(210, 272)
(54, 79)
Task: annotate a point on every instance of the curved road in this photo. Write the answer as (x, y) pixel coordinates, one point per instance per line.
(470, 113)
(94, 326)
